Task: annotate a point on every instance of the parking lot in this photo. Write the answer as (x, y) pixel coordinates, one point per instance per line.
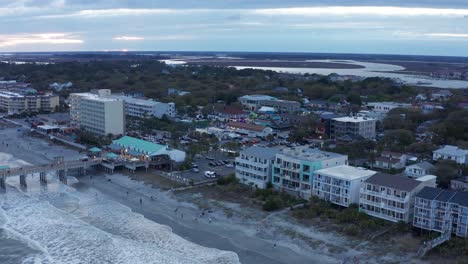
(203, 165)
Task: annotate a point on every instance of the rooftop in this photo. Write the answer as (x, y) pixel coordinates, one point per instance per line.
(139, 145)
(96, 97)
(452, 150)
(137, 101)
(310, 154)
(246, 126)
(346, 172)
(353, 119)
(258, 97)
(442, 195)
(262, 152)
(393, 181)
(423, 165)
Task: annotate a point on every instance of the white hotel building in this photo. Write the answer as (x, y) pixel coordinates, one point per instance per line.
(341, 184)
(97, 113)
(146, 108)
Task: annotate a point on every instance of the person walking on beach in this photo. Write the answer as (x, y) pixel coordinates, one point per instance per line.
(141, 201)
(274, 245)
(175, 211)
(127, 193)
(209, 220)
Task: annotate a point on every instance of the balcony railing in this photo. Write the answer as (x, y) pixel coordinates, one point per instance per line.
(385, 195)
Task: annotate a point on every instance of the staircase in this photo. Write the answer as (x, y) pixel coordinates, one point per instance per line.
(445, 236)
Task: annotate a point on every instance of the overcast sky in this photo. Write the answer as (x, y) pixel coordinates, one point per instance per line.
(430, 27)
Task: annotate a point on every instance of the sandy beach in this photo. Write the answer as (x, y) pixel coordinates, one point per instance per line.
(255, 236)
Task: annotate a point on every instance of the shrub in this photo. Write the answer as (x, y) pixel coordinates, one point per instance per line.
(227, 180)
(273, 203)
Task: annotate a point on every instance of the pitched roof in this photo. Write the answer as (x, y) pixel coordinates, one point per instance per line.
(138, 144)
(431, 193)
(452, 150)
(393, 181)
(423, 165)
(263, 152)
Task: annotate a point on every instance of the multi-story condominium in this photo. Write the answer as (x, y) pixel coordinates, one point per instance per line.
(454, 153)
(146, 108)
(293, 169)
(391, 160)
(97, 113)
(253, 166)
(16, 102)
(352, 126)
(390, 197)
(340, 184)
(442, 211)
(419, 169)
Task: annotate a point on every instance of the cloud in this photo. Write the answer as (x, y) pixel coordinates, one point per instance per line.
(447, 35)
(130, 38)
(361, 10)
(42, 38)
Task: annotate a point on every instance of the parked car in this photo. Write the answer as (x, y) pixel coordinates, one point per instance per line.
(212, 164)
(194, 165)
(195, 170)
(209, 158)
(229, 165)
(210, 174)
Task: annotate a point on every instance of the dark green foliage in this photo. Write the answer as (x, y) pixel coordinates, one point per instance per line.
(227, 180)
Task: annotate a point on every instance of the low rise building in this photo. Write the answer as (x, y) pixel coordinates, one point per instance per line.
(459, 184)
(282, 106)
(253, 102)
(248, 129)
(352, 126)
(145, 150)
(254, 165)
(14, 103)
(390, 197)
(441, 95)
(391, 160)
(293, 169)
(385, 107)
(454, 153)
(340, 184)
(419, 169)
(441, 211)
(97, 113)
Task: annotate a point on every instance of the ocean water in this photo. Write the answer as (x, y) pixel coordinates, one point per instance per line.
(59, 224)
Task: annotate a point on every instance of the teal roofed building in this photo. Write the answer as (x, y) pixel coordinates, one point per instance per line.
(136, 147)
(293, 168)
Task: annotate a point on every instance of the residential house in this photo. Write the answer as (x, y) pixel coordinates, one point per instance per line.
(441, 95)
(459, 184)
(419, 169)
(449, 152)
(391, 160)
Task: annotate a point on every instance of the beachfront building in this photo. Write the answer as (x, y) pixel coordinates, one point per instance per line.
(454, 153)
(419, 169)
(249, 129)
(145, 150)
(441, 211)
(13, 102)
(459, 184)
(97, 113)
(253, 166)
(355, 126)
(253, 102)
(390, 197)
(146, 108)
(293, 168)
(340, 184)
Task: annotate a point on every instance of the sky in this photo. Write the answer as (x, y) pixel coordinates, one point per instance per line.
(422, 27)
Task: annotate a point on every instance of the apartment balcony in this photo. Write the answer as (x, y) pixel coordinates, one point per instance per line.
(385, 195)
(422, 205)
